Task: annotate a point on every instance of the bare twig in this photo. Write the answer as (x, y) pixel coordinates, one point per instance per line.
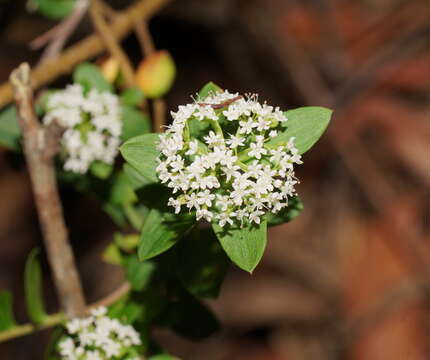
(114, 296)
(144, 37)
(58, 36)
(39, 153)
(86, 48)
(103, 29)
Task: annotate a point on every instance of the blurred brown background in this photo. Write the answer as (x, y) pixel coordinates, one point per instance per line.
(350, 278)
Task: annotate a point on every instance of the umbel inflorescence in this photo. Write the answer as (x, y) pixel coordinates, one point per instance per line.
(92, 123)
(99, 337)
(230, 171)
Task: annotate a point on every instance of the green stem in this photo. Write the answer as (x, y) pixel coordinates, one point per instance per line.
(217, 127)
(26, 329)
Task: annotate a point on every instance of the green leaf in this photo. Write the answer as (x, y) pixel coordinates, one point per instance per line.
(10, 131)
(121, 191)
(126, 242)
(161, 231)
(51, 351)
(130, 313)
(138, 273)
(33, 288)
(7, 319)
(135, 177)
(306, 124)
(209, 88)
(90, 77)
(141, 153)
(135, 123)
(294, 208)
(163, 357)
(116, 212)
(244, 246)
(101, 170)
(132, 97)
(202, 273)
(189, 317)
(54, 9)
(112, 254)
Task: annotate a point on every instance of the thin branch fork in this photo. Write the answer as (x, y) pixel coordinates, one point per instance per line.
(56, 38)
(102, 27)
(86, 48)
(40, 144)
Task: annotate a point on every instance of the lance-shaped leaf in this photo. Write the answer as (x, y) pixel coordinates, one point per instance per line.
(181, 308)
(209, 88)
(138, 273)
(134, 121)
(9, 128)
(163, 357)
(203, 273)
(244, 246)
(132, 97)
(90, 77)
(7, 319)
(306, 124)
(161, 230)
(33, 288)
(54, 9)
(141, 153)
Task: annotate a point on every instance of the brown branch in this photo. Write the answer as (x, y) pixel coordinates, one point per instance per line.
(144, 37)
(58, 36)
(113, 296)
(39, 153)
(86, 48)
(104, 30)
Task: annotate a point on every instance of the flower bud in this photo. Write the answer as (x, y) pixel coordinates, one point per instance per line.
(155, 74)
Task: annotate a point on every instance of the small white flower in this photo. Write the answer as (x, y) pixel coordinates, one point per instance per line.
(212, 139)
(246, 126)
(176, 204)
(205, 112)
(257, 150)
(215, 177)
(256, 216)
(225, 218)
(98, 312)
(235, 141)
(98, 113)
(204, 214)
(98, 337)
(193, 147)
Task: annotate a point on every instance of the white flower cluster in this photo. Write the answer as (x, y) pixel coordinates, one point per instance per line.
(92, 124)
(99, 337)
(232, 173)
